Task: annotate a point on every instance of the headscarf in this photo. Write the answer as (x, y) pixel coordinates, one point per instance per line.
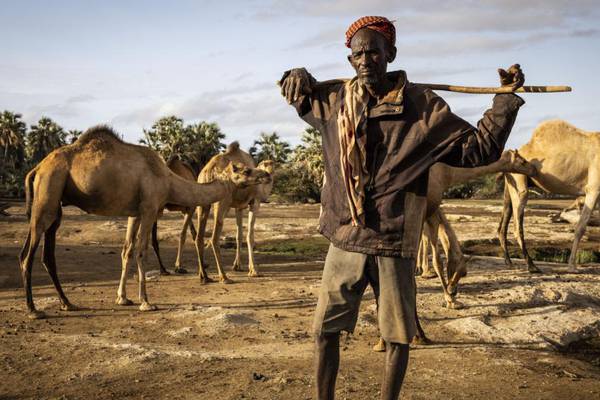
(379, 24)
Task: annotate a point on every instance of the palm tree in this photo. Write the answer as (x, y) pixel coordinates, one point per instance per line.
(44, 137)
(166, 136)
(194, 144)
(73, 135)
(308, 157)
(205, 141)
(270, 147)
(12, 140)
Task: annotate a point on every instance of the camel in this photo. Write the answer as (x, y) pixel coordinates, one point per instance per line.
(263, 191)
(239, 199)
(441, 177)
(185, 171)
(101, 174)
(568, 162)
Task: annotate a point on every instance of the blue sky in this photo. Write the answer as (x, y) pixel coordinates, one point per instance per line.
(127, 63)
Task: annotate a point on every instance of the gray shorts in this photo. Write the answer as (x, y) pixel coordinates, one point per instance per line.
(345, 278)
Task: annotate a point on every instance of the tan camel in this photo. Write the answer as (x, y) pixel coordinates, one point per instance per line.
(239, 198)
(263, 191)
(568, 162)
(441, 177)
(103, 175)
(185, 171)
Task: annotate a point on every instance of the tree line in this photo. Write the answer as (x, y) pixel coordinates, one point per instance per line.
(298, 176)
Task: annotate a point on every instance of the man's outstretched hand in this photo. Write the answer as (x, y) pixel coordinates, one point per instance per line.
(513, 77)
(295, 83)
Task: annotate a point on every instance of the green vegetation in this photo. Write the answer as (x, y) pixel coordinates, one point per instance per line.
(485, 187)
(194, 144)
(314, 246)
(270, 147)
(21, 149)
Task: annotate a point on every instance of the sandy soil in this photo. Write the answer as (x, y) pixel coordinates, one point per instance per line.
(520, 336)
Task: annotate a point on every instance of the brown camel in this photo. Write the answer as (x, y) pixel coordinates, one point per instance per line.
(441, 177)
(185, 171)
(238, 198)
(568, 162)
(103, 175)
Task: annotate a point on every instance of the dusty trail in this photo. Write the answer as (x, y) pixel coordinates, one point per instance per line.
(517, 338)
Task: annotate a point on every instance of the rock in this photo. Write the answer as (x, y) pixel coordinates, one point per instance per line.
(547, 327)
(185, 331)
(152, 275)
(367, 320)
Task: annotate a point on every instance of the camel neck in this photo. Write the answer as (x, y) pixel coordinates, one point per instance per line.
(188, 193)
(460, 175)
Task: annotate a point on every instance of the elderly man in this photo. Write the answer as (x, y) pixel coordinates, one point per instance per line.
(380, 136)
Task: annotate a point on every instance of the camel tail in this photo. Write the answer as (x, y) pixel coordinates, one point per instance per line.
(29, 192)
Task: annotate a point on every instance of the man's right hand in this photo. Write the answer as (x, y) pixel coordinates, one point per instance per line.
(295, 83)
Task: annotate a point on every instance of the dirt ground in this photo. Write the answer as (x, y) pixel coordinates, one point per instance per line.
(520, 335)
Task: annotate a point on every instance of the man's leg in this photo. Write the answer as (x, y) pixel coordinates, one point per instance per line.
(327, 362)
(342, 286)
(397, 303)
(396, 362)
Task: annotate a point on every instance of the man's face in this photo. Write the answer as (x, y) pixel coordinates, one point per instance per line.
(370, 56)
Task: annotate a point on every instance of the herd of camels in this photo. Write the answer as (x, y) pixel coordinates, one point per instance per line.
(103, 175)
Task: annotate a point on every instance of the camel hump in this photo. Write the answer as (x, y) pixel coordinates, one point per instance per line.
(99, 132)
(232, 147)
(557, 131)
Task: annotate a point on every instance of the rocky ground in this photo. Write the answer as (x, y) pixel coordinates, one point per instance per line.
(520, 335)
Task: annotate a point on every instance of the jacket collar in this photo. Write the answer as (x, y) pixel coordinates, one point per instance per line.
(393, 102)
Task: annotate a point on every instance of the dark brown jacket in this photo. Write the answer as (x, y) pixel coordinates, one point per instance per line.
(408, 131)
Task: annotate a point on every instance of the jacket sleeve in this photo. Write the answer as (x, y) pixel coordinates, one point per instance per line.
(319, 106)
(459, 144)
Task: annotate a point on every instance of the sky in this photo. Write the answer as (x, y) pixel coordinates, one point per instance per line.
(127, 63)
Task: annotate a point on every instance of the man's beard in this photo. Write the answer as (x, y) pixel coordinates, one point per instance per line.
(369, 80)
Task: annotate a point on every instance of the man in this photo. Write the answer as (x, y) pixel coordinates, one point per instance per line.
(380, 136)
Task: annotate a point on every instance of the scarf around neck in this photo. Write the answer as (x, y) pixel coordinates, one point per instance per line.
(352, 135)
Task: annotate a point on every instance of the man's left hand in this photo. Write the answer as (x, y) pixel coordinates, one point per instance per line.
(513, 77)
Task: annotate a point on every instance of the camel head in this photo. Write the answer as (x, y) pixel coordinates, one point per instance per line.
(457, 269)
(267, 166)
(513, 162)
(266, 189)
(243, 176)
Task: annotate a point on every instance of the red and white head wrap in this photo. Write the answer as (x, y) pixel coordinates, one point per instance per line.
(379, 24)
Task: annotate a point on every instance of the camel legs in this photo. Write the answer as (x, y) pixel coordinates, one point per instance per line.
(163, 270)
(133, 225)
(239, 234)
(433, 226)
(254, 206)
(141, 255)
(187, 220)
(220, 213)
(49, 262)
(517, 188)
(43, 218)
(26, 260)
(591, 198)
(456, 266)
(426, 271)
(504, 222)
(203, 213)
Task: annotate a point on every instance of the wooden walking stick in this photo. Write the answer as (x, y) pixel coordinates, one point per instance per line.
(472, 89)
